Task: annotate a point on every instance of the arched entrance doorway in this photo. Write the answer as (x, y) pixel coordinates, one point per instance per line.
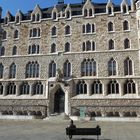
(59, 101)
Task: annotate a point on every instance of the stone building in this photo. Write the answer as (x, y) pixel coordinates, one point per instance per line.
(71, 58)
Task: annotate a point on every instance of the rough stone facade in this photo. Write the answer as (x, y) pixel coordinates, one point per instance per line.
(105, 103)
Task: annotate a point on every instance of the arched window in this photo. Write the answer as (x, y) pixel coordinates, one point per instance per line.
(33, 17)
(83, 29)
(34, 49)
(37, 88)
(88, 67)
(109, 10)
(67, 69)
(34, 32)
(32, 70)
(124, 9)
(68, 14)
(24, 88)
(67, 30)
(1, 89)
(90, 12)
(112, 67)
(4, 35)
(53, 31)
(6, 20)
(110, 26)
(2, 51)
(113, 87)
(81, 87)
(12, 72)
(38, 17)
(85, 13)
(16, 34)
(129, 87)
(88, 46)
(126, 43)
(111, 44)
(53, 48)
(54, 15)
(128, 67)
(67, 47)
(97, 87)
(1, 70)
(11, 88)
(52, 69)
(88, 28)
(125, 25)
(14, 51)
(17, 19)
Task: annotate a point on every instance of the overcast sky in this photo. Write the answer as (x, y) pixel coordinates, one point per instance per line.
(26, 5)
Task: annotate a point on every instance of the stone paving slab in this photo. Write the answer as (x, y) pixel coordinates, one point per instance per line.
(55, 130)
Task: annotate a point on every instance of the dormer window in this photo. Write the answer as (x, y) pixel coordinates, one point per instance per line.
(124, 9)
(4, 35)
(68, 14)
(6, 20)
(90, 12)
(109, 10)
(16, 34)
(33, 17)
(37, 17)
(85, 13)
(54, 15)
(67, 30)
(17, 19)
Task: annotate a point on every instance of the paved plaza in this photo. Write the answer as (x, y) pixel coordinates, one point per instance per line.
(55, 130)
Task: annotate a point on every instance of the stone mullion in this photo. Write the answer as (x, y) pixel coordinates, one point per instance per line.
(89, 88)
(17, 89)
(4, 89)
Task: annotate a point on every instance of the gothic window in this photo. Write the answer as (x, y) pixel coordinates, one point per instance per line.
(68, 14)
(124, 9)
(111, 44)
(4, 35)
(37, 17)
(16, 34)
(81, 87)
(37, 88)
(6, 20)
(112, 67)
(85, 13)
(109, 10)
(14, 51)
(52, 69)
(2, 51)
(34, 49)
(11, 88)
(129, 87)
(1, 89)
(67, 47)
(34, 32)
(1, 70)
(12, 72)
(126, 43)
(88, 46)
(128, 67)
(88, 28)
(67, 30)
(90, 12)
(32, 70)
(110, 26)
(24, 88)
(97, 87)
(17, 19)
(53, 31)
(113, 87)
(54, 15)
(125, 25)
(67, 69)
(33, 17)
(53, 48)
(88, 67)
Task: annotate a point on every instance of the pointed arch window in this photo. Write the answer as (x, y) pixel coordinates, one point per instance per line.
(88, 28)
(110, 27)
(81, 87)
(88, 67)
(97, 87)
(112, 67)
(88, 46)
(67, 47)
(12, 72)
(83, 29)
(24, 88)
(33, 49)
(4, 35)
(54, 15)
(85, 12)
(38, 17)
(2, 51)
(14, 51)
(53, 48)
(32, 70)
(126, 43)
(68, 14)
(37, 88)
(1, 89)
(109, 10)
(128, 67)
(11, 88)
(111, 44)
(67, 69)
(1, 70)
(33, 17)
(113, 87)
(17, 19)
(124, 9)
(129, 87)
(125, 25)
(52, 69)
(90, 12)
(16, 34)
(67, 30)
(54, 31)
